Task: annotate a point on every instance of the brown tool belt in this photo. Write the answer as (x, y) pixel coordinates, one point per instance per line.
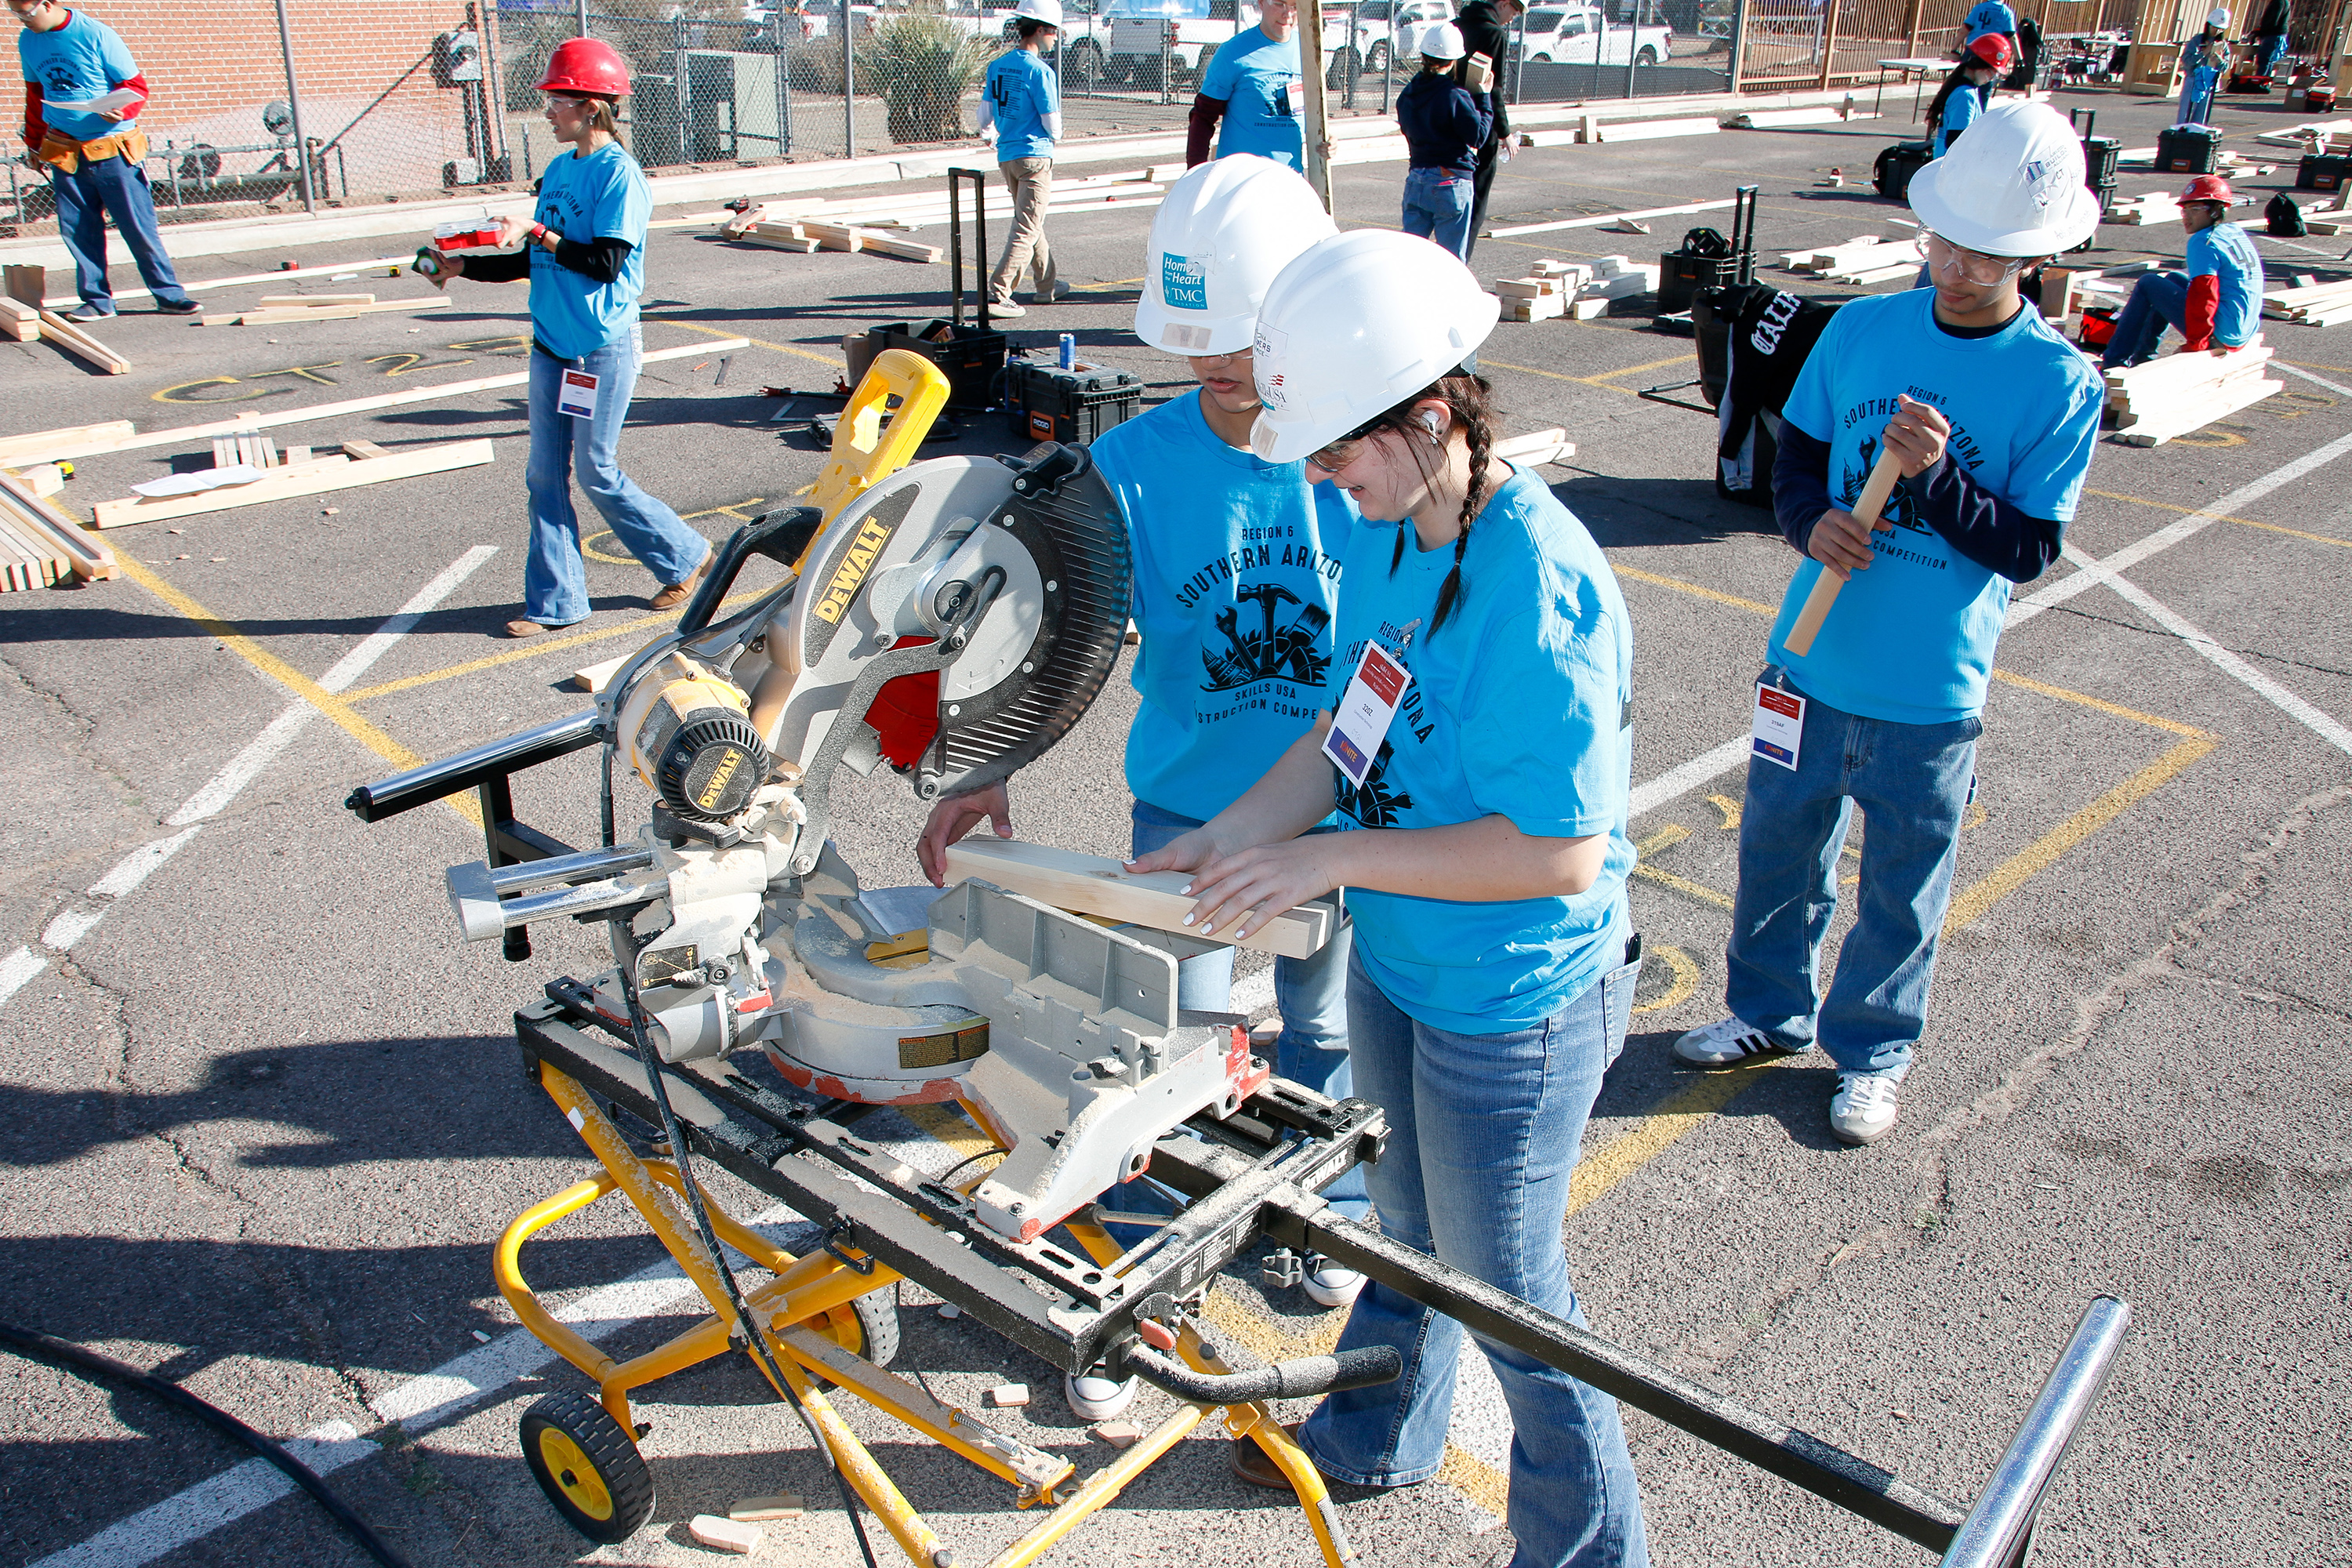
(67, 155)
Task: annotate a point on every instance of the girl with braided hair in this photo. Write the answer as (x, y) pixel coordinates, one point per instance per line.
(1483, 860)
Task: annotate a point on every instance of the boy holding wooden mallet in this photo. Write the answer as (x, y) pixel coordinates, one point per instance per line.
(1930, 457)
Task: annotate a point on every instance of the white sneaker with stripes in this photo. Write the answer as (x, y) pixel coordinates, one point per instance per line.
(1725, 1042)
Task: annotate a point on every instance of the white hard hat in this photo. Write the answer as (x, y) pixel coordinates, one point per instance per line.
(1354, 327)
(1219, 237)
(2011, 186)
(2219, 16)
(1442, 42)
(1046, 11)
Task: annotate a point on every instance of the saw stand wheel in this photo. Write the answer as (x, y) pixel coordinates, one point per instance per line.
(588, 1466)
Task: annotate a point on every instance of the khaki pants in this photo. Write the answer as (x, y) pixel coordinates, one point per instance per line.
(1030, 181)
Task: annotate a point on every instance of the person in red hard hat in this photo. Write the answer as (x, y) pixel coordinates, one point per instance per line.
(2215, 300)
(584, 255)
(1968, 89)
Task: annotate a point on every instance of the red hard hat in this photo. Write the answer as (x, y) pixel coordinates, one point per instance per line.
(2209, 188)
(586, 66)
(1993, 49)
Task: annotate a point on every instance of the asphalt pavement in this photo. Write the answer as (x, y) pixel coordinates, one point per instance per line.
(265, 1121)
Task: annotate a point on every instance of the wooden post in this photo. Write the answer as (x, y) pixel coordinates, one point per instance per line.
(1829, 43)
(1911, 28)
(1310, 81)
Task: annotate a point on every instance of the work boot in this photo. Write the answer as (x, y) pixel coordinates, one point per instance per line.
(678, 594)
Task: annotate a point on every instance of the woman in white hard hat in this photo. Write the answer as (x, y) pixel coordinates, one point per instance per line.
(1237, 574)
(1484, 862)
(1021, 111)
(1881, 711)
(1444, 124)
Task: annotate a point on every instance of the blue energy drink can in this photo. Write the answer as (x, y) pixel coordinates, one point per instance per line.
(1069, 352)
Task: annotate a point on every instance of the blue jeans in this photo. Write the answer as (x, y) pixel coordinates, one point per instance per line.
(1311, 995)
(1437, 205)
(2159, 300)
(1912, 781)
(85, 198)
(1484, 1130)
(555, 579)
(2268, 50)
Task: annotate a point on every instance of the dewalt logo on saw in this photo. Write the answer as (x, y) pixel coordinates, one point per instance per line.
(851, 574)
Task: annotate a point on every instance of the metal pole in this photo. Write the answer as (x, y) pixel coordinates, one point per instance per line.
(1518, 55)
(784, 86)
(583, 18)
(1632, 45)
(294, 102)
(1999, 1531)
(848, 87)
(1739, 43)
(1310, 77)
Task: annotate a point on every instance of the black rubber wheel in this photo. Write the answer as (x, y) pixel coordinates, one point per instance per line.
(1646, 58)
(589, 1468)
(876, 1320)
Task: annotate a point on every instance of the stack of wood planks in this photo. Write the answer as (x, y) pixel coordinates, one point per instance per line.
(1866, 258)
(2315, 136)
(808, 224)
(2147, 207)
(2148, 405)
(40, 545)
(359, 463)
(23, 283)
(19, 321)
(2310, 302)
(277, 309)
(2327, 214)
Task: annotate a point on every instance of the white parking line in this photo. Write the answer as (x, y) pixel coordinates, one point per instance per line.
(71, 924)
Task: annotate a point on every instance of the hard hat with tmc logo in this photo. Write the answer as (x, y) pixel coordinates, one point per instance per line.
(1219, 237)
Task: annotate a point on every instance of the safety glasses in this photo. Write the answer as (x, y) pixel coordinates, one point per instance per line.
(1942, 256)
(565, 100)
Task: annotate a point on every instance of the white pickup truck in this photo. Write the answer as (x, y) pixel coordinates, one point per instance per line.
(1135, 43)
(1582, 36)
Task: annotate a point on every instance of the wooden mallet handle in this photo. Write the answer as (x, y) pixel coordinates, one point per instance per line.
(1866, 508)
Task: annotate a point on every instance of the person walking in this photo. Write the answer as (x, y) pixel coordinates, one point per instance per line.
(583, 254)
(1236, 575)
(1994, 439)
(1249, 98)
(83, 93)
(1021, 111)
(1486, 30)
(2269, 37)
(1967, 90)
(2215, 303)
(1484, 855)
(1444, 124)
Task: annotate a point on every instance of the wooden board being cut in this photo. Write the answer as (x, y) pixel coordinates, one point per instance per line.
(1095, 885)
(328, 474)
(322, 312)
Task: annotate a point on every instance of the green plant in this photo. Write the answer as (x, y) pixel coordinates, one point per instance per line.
(922, 64)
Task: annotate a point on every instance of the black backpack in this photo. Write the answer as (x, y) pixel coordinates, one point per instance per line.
(2284, 218)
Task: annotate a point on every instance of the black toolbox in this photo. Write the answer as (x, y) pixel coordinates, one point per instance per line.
(2322, 172)
(2186, 150)
(1073, 406)
(1891, 176)
(2100, 154)
(971, 358)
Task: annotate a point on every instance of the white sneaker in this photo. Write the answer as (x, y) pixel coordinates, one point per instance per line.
(1092, 1397)
(1328, 1284)
(1004, 308)
(1726, 1041)
(1863, 1110)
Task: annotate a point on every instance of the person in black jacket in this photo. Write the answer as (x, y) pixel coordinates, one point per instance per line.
(1486, 30)
(1445, 125)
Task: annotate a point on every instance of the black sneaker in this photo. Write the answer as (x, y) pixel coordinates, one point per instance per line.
(86, 311)
(177, 306)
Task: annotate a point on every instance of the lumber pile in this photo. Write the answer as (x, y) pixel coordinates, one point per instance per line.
(2314, 136)
(2327, 214)
(862, 224)
(1590, 128)
(335, 472)
(2234, 164)
(1781, 119)
(81, 344)
(1574, 291)
(278, 309)
(2147, 207)
(2311, 303)
(45, 543)
(1866, 258)
(19, 321)
(2148, 405)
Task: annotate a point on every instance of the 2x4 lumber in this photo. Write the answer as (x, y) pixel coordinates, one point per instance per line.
(2156, 432)
(1597, 220)
(324, 314)
(1096, 885)
(393, 265)
(2184, 369)
(33, 551)
(364, 449)
(66, 336)
(311, 302)
(13, 448)
(187, 434)
(313, 479)
(24, 281)
(91, 557)
(1651, 130)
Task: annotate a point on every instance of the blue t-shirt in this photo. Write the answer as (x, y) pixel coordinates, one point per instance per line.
(1517, 707)
(1022, 91)
(2223, 250)
(1961, 111)
(603, 196)
(1990, 17)
(83, 59)
(1911, 640)
(1237, 574)
(1250, 73)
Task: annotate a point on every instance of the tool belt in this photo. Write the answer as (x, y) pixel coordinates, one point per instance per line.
(67, 155)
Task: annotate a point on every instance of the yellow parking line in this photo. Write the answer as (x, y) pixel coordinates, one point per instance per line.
(1654, 364)
(1602, 381)
(530, 647)
(1694, 589)
(2223, 517)
(762, 343)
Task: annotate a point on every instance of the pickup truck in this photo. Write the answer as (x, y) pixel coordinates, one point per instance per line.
(1581, 36)
(1138, 28)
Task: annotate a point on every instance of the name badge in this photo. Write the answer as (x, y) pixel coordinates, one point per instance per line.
(1291, 99)
(1365, 713)
(1779, 725)
(577, 395)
